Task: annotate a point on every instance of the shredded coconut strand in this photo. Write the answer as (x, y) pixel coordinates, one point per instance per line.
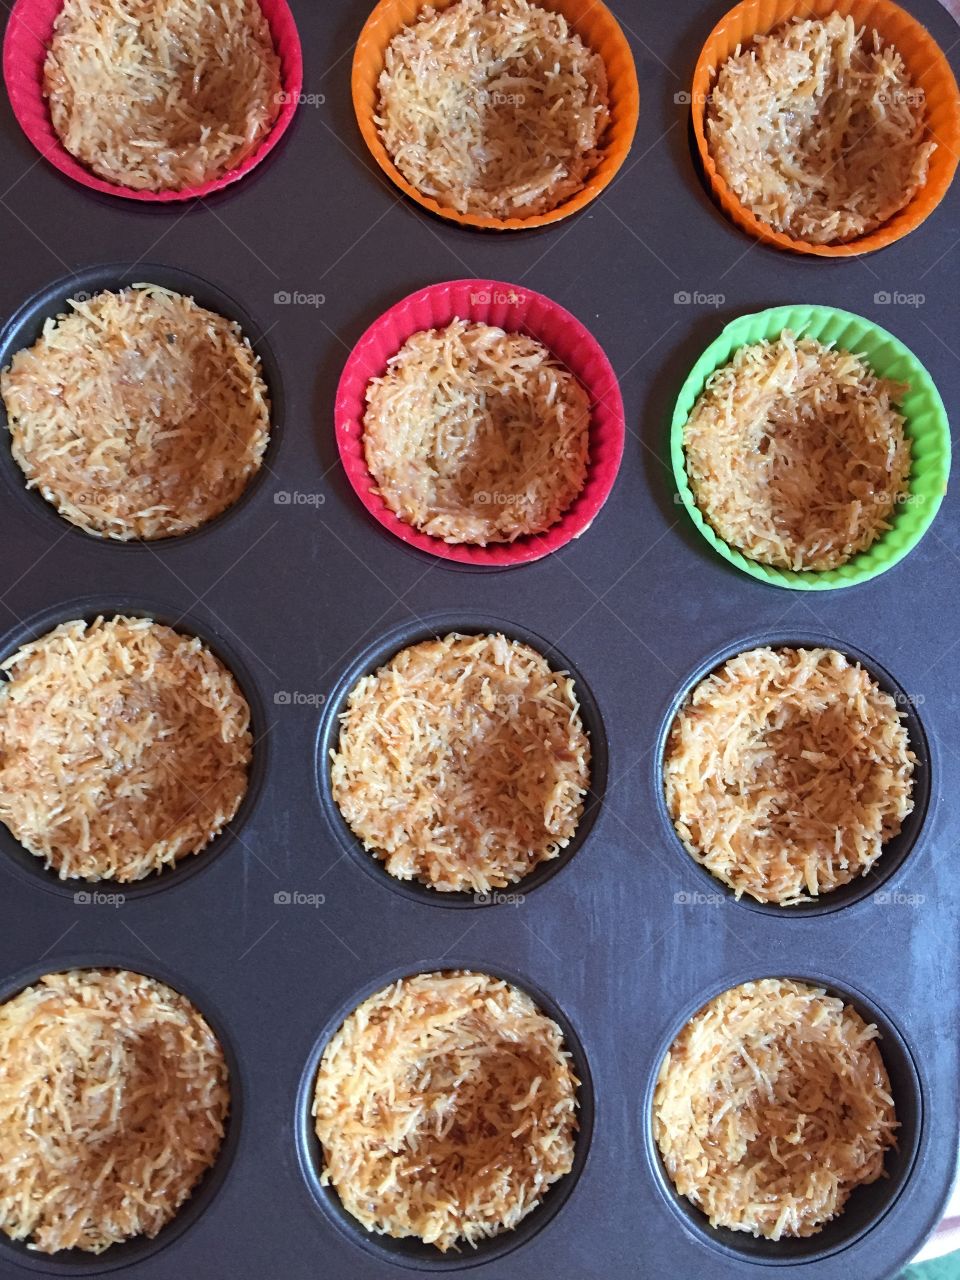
(113, 1100)
(787, 771)
(493, 107)
(124, 746)
(474, 435)
(819, 130)
(462, 762)
(772, 1106)
(138, 414)
(161, 95)
(446, 1107)
(796, 453)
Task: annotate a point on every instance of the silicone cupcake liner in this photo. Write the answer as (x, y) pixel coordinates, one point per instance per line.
(516, 310)
(926, 64)
(598, 29)
(926, 425)
(28, 35)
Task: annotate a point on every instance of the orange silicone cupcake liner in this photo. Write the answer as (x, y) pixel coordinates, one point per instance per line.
(926, 64)
(598, 29)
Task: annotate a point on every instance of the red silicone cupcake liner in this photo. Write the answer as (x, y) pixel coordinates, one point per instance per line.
(28, 35)
(517, 310)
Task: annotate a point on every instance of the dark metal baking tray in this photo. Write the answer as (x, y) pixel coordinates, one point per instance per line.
(281, 928)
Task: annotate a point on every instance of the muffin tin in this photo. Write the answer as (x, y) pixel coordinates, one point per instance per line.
(895, 851)
(868, 1205)
(89, 608)
(279, 929)
(23, 329)
(16, 1258)
(414, 1253)
(378, 655)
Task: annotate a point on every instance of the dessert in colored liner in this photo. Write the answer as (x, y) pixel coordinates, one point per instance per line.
(462, 762)
(772, 1105)
(114, 1095)
(138, 414)
(786, 772)
(124, 747)
(161, 95)
(796, 453)
(493, 107)
(474, 435)
(819, 130)
(446, 1107)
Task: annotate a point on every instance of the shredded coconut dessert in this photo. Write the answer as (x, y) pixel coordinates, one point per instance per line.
(161, 95)
(124, 747)
(138, 414)
(796, 453)
(446, 1107)
(772, 1106)
(493, 107)
(474, 435)
(787, 771)
(114, 1096)
(819, 130)
(462, 762)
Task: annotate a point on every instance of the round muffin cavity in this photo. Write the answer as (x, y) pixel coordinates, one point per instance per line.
(462, 762)
(161, 95)
(819, 130)
(772, 1105)
(124, 747)
(138, 414)
(446, 1107)
(114, 1095)
(786, 771)
(474, 435)
(796, 453)
(493, 107)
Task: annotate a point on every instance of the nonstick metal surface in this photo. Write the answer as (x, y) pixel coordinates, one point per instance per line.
(281, 930)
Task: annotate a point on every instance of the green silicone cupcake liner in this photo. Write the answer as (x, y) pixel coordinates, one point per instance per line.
(926, 425)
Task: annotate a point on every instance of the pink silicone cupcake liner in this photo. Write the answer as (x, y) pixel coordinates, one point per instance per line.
(517, 310)
(29, 31)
